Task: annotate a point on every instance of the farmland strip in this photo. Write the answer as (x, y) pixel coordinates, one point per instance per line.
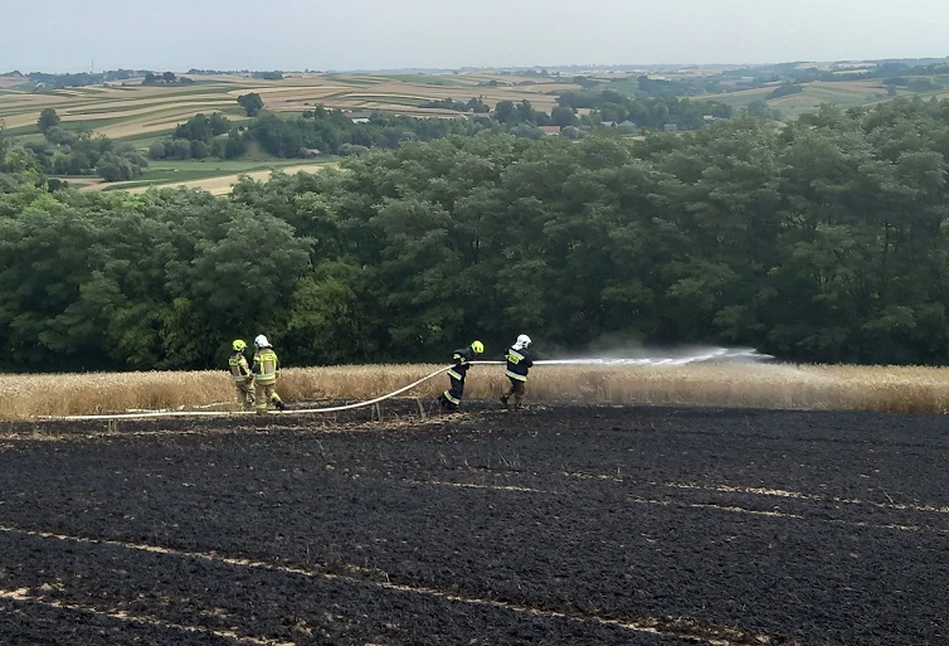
(804, 496)
(682, 628)
(764, 491)
(693, 505)
(22, 594)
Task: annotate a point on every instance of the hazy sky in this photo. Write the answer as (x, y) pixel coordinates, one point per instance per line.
(65, 35)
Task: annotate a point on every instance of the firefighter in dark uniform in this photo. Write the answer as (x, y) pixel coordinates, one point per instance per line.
(519, 362)
(451, 398)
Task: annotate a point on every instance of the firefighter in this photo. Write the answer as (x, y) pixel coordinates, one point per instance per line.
(241, 374)
(265, 369)
(451, 398)
(519, 362)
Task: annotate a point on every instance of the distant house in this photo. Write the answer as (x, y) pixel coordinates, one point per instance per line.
(310, 153)
(550, 131)
(670, 127)
(608, 124)
(359, 116)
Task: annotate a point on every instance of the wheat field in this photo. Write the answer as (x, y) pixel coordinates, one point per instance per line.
(132, 110)
(866, 388)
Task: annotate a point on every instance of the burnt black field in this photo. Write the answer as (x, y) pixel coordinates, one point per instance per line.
(554, 525)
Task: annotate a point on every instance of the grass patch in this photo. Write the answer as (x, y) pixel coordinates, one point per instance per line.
(208, 105)
(159, 179)
(145, 140)
(740, 98)
(351, 80)
(30, 137)
(221, 167)
(158, 175)
(392, 99)
(94, 124)
(628, 87)
(425, 79)
(164, 172)
(22, 130)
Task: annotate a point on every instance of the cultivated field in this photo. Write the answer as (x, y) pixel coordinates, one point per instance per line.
(781, 386)
(214, 176)
(560, 525)
(141, 114)
(845, 94)
(135, 110)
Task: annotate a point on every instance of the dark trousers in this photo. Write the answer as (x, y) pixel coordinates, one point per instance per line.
(516, 390)
(452, 397)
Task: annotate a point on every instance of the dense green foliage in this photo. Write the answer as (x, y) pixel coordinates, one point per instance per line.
(610, 105)
(167, 78)
(785, 90)
(48, 119)
(67, 152)
(252, 103)
(334, 132)
(268, 76)
(822, 240)
(642, 86)
(330, 130)
(473, 104)
(78, 79)
(794, 73)
(199, 137)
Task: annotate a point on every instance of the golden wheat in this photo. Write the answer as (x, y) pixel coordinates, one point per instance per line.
(871, 388)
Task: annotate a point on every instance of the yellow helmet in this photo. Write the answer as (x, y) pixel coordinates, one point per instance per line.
(477, 346)
(238, 345)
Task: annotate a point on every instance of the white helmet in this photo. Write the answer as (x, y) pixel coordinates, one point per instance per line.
(261, 341)
(523, 341)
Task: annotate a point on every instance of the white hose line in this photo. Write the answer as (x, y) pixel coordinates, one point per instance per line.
(218, 413)
(336, 409)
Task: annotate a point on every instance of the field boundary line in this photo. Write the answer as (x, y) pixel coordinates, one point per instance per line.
(22, 595)
(691, 505)
(797, 495)
(682, 628)
(473, 485)
(781, 514)
(764, 491)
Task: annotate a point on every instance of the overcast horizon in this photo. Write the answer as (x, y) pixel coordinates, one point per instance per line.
(179, 35)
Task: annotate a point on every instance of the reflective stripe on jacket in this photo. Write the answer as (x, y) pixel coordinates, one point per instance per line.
(266, 366)
(240, 370)
(461, 357)
(518, 363)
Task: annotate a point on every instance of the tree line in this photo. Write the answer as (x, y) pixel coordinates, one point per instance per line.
(78, 152)
(333, 132)
(655, 113)
(166, 78)
(822, 240)
(919, 74)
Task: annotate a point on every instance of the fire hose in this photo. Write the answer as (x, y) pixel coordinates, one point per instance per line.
(295, 411)
(715, 354)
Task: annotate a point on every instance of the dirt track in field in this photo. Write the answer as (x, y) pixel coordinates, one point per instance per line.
(569, 525)
(223, 184)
